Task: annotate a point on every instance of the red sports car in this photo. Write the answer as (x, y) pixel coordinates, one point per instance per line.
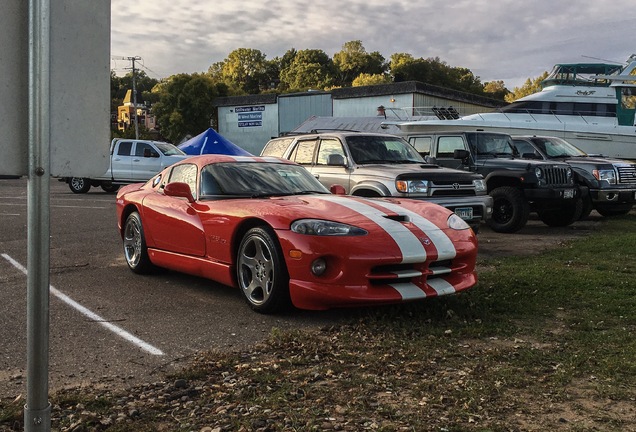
(267, 226)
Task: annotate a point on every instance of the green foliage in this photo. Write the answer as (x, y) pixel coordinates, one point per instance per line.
(309, 69)
(353, 60)
(496, 90)
(184, 104)
(370, 79)
(244, 70)
(529, 87)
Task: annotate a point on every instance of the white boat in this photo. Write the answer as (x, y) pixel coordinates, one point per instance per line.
(591, 105)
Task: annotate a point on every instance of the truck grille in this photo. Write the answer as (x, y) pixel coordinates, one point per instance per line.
(626, 173)
(556, 176)
(442, 188)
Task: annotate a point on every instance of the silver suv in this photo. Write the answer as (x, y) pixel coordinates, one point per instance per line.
(376, 165)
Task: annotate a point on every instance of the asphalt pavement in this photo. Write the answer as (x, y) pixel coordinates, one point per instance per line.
(109, 326)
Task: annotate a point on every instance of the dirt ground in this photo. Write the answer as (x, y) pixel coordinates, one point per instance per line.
(534, 238)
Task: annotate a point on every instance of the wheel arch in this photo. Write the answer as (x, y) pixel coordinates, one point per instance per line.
(126, 211)
(498, 180)
(370, 189)
(238, 235)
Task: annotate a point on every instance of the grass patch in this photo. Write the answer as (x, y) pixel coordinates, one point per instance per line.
(542, 343)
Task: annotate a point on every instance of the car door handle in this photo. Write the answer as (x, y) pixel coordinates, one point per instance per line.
(317, 176)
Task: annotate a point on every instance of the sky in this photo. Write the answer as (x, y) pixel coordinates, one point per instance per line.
(508, 40)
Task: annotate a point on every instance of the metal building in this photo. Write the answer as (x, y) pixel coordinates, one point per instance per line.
(250, 121)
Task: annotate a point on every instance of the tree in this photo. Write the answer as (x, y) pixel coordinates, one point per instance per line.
(529, 87)
(184, 105)
(354, 60)
(496, 90)
(309, 69)
(245, 71)
(369, 79)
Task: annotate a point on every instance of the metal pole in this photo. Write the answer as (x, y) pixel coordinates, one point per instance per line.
(37, 411)
(134, 88)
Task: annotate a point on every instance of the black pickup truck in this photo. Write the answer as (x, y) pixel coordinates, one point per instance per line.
(611, 182)
(517, 186)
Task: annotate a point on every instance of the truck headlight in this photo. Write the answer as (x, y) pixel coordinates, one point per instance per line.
(605, 175)
(412, 186)
(539, 173)
(480, 185)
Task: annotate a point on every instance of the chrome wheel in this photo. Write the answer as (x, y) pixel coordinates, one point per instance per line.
(261, 272)
(135, 249)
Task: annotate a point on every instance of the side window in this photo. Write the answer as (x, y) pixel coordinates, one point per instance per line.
(524, 147)
(327, 148)
(140, 148)
(186, 173)
(124, 148)
(277, 147)
(421, 144)
(446, 146)
(304, 152)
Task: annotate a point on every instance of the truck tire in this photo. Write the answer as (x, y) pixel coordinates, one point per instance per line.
(79, 184)
(587, 208)
(109, 187)
(614, 210)
(563, 216)
(510, 210)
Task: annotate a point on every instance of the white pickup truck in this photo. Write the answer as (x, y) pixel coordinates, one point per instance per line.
(131, 161)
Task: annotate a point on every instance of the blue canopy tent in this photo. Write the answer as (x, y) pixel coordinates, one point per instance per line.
(210, 142)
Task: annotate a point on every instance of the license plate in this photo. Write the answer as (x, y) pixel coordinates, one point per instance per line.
(465, 213)
(568, 193)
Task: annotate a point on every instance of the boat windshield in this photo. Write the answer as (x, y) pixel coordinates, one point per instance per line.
(554, 147)
(581, 74)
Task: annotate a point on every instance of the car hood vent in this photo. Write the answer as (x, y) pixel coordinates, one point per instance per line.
(398, 218)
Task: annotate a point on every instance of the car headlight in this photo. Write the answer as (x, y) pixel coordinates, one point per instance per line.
(539, 173)
(605, 175)
(412, 186)
(480, 185)
(325, 228)
(457, 223)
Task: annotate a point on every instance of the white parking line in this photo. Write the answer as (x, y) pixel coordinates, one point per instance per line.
(91, 315)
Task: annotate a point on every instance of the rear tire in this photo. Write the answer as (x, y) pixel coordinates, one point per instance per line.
(79, 184)
(510, 210)
(109, 187)
(135, 249)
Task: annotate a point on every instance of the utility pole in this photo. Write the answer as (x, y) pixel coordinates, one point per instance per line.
(134, 90)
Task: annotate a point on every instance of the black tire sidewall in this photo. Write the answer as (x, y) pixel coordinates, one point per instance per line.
(513, 197)
(279, 299)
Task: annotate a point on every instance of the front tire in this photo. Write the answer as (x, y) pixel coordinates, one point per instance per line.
(261, 271)
(563, 216)
(79, 184)
(510, 210)
(135, 249)
(614, 210)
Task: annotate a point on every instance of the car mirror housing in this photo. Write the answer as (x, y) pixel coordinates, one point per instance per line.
(337, 189)
(180, 190)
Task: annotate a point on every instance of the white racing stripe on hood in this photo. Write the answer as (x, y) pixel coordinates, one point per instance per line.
(410, 246)
(443, 244)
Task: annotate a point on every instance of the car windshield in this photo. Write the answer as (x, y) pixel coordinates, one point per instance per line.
(169, 149)
(258, 180)
(557, 147)
(485, 144)
(371, 149)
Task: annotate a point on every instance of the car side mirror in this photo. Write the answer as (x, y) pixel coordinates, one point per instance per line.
(461, 154)
(530, 156)
(337, 189)
(179, 190)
